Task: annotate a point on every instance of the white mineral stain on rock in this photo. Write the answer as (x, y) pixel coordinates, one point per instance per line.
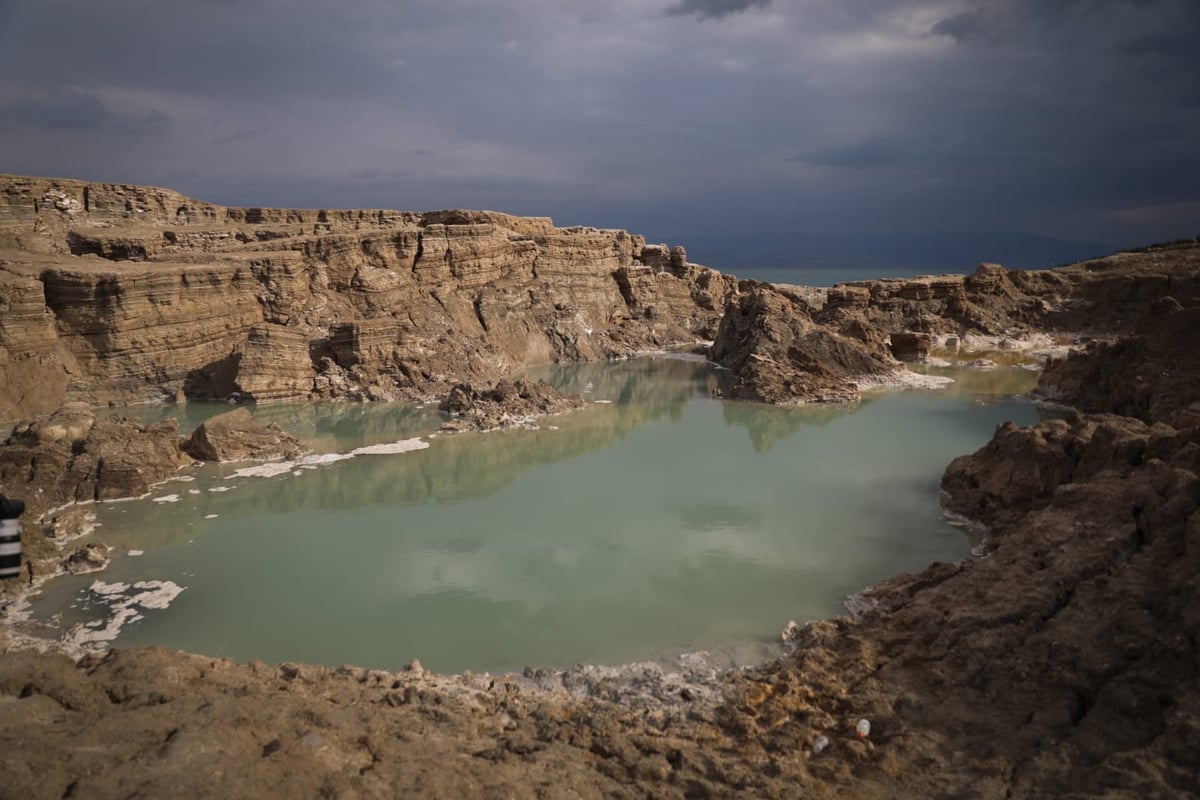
(134, 553)
(602, 402)
(167, 498)
(211, 516)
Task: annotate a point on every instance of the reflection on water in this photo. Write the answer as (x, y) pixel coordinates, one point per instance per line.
(662, 521)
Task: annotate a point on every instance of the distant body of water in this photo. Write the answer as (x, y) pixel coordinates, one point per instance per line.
(822, 276)
(657, 520)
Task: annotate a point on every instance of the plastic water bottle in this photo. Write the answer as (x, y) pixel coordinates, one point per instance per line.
(820, 744)
(863, 728)
(10, 537)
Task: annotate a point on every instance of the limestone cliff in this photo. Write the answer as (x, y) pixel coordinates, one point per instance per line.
(117, 293)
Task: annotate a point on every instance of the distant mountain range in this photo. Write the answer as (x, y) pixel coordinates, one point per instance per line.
(886, 253)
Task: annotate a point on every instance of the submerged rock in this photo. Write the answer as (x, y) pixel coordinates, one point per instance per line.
(237, 436)
(504, 405)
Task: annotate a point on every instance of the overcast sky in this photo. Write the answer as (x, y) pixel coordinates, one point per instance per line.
(1068, 118)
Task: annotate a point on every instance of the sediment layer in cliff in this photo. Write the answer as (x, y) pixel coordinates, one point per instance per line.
(116, 293)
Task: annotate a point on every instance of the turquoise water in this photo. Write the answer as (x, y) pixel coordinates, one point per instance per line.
(661, 522)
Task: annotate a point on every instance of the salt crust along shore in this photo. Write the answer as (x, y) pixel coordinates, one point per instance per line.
(274, 468)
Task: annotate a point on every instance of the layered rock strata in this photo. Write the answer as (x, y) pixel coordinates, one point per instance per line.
(787, 346)
(119, 293)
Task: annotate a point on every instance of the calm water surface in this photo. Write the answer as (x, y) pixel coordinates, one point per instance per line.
(660, 522)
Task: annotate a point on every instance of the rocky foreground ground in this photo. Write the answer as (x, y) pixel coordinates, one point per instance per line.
(1063, 663)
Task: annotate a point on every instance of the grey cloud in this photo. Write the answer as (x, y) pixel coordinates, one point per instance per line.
(869, 154)
(714, 9)
(64, 109)
(964, 26)
(1050, 115)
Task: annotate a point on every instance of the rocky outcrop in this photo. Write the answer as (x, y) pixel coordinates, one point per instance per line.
(74, 456)
(116, 293)
(237, 436)
(910, 346)
(1152, 374)
(779, 354)
(783, 348)
(987, 301)
(504, 405)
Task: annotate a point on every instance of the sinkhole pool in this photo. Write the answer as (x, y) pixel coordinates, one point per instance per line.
(654, 522)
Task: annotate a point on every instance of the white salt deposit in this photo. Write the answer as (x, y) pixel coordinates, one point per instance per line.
(167, 498)
(265, 470)
(211, 516)
(156, 594)
(313, 461)
(123, 600)
(220, 488)
(134, 553)
(602, 402)
(194, 491)
(901, 379)
(402, 446)
(323, 458)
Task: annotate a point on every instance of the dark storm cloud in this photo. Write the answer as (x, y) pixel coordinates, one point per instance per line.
(62, 109)
(714, 9)
(1056, 117)
(964, 26)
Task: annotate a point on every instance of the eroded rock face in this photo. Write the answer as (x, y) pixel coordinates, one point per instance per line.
(779, 354)
(73, 455)
(237, 436)
(910, 346)
(116, 293)
(1153, 374)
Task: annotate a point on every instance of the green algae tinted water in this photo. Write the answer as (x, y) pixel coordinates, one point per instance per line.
(658, 522)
